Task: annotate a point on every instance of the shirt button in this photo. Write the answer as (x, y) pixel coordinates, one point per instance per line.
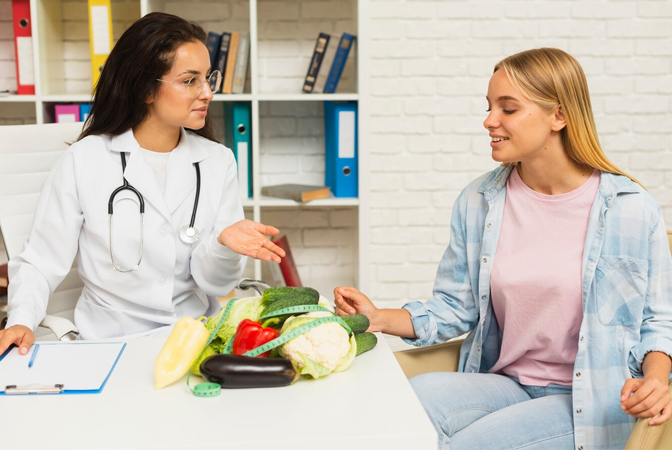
(601, 229)
(162, 281)
(488, 193)
(578, 374)
(581, 338)
(471, 371)
(611, 197)
(485, 260)
(489, 225)
(580, 447)
(478, 349)
(483, 297)
(578, 411)
(164, 231)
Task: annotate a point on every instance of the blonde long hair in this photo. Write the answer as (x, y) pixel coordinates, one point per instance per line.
(551, 77)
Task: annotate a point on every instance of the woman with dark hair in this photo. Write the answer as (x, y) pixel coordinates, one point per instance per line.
(146, 199)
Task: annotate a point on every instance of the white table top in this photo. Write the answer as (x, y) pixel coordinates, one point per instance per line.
(371, 405)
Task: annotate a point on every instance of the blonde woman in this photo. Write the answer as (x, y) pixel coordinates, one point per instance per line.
(560, 271)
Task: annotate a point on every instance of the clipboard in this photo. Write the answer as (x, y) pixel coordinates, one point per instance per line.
(59, 368)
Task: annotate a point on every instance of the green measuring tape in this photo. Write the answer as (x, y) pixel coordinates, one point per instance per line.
(209, 389)
(214, 389)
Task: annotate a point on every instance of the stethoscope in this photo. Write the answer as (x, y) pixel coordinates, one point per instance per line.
(189, 234)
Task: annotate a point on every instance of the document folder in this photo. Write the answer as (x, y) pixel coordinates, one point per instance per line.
(340, 136)
(100, 35)
(59, 368)
(237, 136)
(23, 47)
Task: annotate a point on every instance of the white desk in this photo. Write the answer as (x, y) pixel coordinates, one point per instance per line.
(371, 405)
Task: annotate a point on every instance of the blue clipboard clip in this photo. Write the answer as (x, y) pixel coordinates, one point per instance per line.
(34, 389)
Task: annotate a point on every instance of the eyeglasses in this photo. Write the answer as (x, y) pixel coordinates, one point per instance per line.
(194, 85)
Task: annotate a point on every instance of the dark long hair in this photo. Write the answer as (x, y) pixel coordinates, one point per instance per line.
(143, 54)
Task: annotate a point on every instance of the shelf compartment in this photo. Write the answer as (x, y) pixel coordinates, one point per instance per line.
(286, 40)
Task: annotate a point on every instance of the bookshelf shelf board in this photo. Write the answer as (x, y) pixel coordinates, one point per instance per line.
(270, 201)
(81, 98)
(232, 98)
(17, 98)
(307, 97)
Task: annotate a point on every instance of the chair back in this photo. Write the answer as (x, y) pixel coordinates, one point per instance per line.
(27, 154)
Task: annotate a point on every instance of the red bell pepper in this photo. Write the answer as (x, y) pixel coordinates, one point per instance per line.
(251, 335)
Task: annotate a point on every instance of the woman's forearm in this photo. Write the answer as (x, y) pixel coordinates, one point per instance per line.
(396, 322)
(658, 365)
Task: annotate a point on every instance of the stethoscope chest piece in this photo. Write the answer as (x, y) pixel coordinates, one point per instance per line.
(189, 235)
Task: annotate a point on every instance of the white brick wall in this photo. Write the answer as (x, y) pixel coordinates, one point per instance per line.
(430, 65)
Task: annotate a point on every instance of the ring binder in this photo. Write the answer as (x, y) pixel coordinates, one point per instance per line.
(13, 389)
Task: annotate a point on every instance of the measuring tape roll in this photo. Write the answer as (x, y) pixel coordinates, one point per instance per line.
(214, 389)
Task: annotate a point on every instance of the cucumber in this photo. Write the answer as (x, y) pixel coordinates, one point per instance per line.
(275, 294)
(365, 342)
(307, 296)
(358, 323)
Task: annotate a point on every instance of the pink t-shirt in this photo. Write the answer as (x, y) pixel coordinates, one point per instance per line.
(536, 280)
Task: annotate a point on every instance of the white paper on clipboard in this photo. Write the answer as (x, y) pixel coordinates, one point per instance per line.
(77, 366)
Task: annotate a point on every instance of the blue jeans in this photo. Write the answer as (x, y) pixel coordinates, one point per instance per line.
(489, 411)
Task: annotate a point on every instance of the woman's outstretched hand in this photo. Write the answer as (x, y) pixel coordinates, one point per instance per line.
(248, 238)
(349, 300)
(397, 322)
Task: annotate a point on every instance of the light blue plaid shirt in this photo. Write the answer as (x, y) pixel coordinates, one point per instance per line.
(627, 296)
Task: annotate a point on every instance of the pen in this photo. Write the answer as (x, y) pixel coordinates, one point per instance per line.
(32, 358)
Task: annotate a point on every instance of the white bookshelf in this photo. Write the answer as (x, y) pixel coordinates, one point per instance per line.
(282, 36)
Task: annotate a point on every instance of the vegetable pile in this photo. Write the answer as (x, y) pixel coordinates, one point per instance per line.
(231, 359)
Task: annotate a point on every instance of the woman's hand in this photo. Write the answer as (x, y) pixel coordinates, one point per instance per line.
(247, 238)
(646, 397)
(397, 322)
(21, 336)
(349, 301)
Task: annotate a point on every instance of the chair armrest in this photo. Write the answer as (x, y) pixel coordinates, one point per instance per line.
(434, 358)
(647, 437)
(62, 328)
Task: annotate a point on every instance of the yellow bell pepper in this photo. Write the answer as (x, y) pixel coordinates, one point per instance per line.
(180, 351)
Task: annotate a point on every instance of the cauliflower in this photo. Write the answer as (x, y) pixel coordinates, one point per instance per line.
(318, 351)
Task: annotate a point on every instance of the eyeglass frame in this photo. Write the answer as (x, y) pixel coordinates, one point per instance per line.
(200, 85)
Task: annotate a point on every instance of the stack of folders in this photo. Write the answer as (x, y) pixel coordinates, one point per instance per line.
(229, 53)
(71, 113)
(326, 66)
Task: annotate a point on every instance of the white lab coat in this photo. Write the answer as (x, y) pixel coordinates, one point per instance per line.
(72, 220)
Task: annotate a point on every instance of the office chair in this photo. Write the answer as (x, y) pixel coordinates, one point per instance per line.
(445, 358)
(27, 154)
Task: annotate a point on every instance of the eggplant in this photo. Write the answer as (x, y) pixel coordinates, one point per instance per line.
(240, 372)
